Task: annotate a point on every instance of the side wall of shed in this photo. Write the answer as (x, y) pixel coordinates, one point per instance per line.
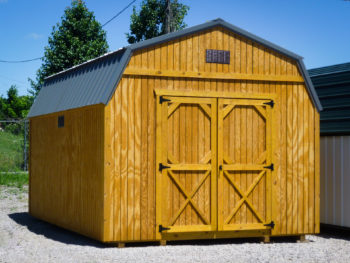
(66, 170)
(335, 180)
(131, 130)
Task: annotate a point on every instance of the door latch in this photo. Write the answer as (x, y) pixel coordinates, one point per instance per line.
(272, 225)
(271, 167)
(162, 228)
(220, 167)
(162, 99)
(162, 166)
(270, 103)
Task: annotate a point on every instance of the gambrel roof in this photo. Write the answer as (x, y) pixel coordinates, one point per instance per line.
(95, 81)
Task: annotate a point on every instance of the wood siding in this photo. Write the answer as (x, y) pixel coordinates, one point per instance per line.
(335, 180)
(66, 170)
(130, 129)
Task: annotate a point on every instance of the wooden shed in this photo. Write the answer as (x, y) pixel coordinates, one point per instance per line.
(332, 85)
(208, 132)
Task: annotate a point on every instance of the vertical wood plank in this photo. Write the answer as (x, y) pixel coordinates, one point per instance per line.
(290, 142)
(295, 159)
(283, 145)
(137, 158)
(151, 160)
(317, 172)
(109, 170)
(124, 161)
(117, 175)
(300, 160)
(306, 174)
(131, 159)
(311, 167)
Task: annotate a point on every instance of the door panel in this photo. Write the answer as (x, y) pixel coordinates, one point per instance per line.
(214, 164)
(244, 153)
(188, 132)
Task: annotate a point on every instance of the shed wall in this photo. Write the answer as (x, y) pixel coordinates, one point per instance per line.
(66, 170)
(335, 180)
(180, 65)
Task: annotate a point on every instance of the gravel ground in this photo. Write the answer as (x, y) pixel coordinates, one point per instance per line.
(26, 239)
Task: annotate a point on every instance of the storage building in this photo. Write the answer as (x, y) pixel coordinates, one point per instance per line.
(332, 84)
(207, 132)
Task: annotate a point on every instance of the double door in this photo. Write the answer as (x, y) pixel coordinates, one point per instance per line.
(213, 163)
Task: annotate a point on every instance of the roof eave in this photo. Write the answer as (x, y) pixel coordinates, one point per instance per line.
(311, 89)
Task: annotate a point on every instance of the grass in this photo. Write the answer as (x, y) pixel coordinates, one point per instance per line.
(17, 179)
(11, 152)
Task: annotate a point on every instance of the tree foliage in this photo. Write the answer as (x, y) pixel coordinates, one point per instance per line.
(150, 20)
(76, 39)
(14, 106)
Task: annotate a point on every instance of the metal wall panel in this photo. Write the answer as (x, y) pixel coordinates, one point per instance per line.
(335, 180)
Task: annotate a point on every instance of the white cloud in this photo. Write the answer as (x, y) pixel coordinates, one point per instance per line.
(33, 35)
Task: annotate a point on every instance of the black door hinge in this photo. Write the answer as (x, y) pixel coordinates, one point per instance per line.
(271, 167)
(162, 99)
(162, 228)
(162, 166)
(272, 225)
(270, 103)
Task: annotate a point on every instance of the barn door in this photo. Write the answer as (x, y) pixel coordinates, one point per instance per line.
(187, 164)
(244, 162)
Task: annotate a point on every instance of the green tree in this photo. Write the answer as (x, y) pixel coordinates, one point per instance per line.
(155, 18)
(76, 39)
(14, 107)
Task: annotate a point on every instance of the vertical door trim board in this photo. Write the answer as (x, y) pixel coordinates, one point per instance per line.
(158, 176)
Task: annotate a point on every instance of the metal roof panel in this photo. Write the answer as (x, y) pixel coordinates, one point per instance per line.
(81, 86)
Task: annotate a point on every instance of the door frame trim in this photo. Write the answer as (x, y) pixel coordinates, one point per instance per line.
(158, 140)
(214, 94)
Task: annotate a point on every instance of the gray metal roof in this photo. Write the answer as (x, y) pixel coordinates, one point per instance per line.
(95, 81)
(339, 68)
(332, 85)
(87, 84)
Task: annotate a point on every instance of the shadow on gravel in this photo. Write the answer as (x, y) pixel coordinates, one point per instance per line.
(238, 241)
(215, 242)
(330, 231)
(53, 232)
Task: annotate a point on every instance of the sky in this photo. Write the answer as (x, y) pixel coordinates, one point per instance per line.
(318, 30)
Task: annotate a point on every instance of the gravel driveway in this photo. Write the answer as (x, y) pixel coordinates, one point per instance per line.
(26, 239)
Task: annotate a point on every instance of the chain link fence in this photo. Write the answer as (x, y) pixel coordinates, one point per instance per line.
(14, 145)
